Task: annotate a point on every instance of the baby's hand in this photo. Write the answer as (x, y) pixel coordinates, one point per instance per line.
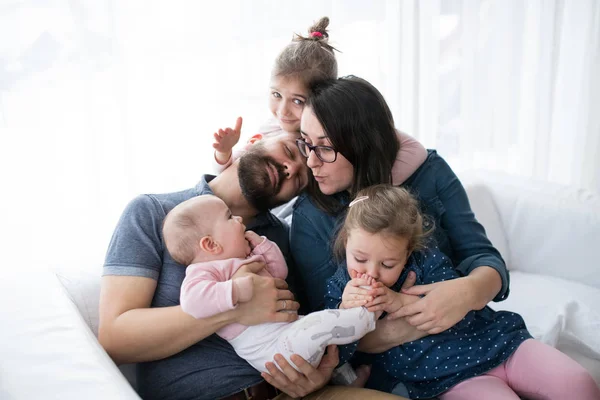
(225, 139)
(253, 239)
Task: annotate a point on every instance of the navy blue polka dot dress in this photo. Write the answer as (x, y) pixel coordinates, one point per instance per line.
(428, 367)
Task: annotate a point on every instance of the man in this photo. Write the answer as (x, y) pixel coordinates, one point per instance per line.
(178, 356)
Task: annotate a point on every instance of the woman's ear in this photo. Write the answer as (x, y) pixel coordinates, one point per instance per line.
(209, 245)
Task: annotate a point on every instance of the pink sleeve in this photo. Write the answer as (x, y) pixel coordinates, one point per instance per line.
(274, 260)
(218, 167)
(207, 289)
(410, 157)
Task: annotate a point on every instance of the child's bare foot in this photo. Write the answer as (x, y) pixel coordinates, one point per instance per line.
(362, 375)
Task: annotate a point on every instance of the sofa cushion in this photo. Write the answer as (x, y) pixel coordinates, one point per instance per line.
(47, 348)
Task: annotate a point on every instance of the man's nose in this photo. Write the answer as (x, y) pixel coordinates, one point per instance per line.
(292, 167)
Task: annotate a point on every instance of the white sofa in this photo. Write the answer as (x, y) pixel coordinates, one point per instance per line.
(548, 234)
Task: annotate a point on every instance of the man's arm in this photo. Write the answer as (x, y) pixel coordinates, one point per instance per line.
(389, 333)
(130, 331)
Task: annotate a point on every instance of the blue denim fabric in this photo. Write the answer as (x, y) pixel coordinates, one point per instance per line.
(441, 196)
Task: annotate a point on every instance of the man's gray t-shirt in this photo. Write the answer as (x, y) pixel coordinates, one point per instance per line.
(210, 369)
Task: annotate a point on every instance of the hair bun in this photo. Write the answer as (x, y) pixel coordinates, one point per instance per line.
(319, 29)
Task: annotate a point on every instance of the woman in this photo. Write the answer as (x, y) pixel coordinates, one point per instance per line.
(349, 138)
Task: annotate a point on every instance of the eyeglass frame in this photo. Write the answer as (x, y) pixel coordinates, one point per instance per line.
(302, 142)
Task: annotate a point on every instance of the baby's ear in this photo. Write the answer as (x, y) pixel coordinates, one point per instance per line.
(209, 245)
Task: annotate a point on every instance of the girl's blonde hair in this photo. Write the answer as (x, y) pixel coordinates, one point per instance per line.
(310, 59)
(387, 210)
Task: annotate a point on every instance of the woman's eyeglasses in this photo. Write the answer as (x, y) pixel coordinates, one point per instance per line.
(327, 154)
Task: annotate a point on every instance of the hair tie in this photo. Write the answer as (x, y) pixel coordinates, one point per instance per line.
(358, 200)
(316, 34)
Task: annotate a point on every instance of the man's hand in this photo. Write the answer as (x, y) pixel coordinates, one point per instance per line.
(225, 139)
(445, 303)
(271, 300)
(298, 384)
(250, 268)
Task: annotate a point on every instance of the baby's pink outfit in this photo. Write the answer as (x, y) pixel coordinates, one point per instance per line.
(208, 289)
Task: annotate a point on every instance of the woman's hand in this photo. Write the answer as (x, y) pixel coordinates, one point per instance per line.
(298, 384)
(445, 303)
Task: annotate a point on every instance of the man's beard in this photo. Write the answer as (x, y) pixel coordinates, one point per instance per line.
(255, 181)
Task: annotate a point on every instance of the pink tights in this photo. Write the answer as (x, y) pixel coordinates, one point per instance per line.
(534, 371)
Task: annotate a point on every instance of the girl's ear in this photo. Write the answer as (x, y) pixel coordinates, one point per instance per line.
(209, 245)
(408, 253)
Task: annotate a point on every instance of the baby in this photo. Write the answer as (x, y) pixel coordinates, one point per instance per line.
(203, 234)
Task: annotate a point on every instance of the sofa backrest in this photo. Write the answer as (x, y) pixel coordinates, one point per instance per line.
(548, 229)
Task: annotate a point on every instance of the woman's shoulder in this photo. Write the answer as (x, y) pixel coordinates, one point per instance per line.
(305, 205)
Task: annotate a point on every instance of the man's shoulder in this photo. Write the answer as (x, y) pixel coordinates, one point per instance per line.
(169, 200)
(144, 214)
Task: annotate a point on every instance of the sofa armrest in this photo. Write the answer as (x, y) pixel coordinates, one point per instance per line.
(550, 229)
(47, 349)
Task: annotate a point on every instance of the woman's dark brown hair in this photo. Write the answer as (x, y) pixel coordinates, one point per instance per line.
(360, 126)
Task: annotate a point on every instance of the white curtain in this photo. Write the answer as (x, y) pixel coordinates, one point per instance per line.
(103, 100)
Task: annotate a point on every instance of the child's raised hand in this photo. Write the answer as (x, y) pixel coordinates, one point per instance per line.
(253, 238)
(225, 139)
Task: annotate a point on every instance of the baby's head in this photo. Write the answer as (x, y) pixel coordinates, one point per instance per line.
(383, 226)
(203, 229)
(301, 63)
